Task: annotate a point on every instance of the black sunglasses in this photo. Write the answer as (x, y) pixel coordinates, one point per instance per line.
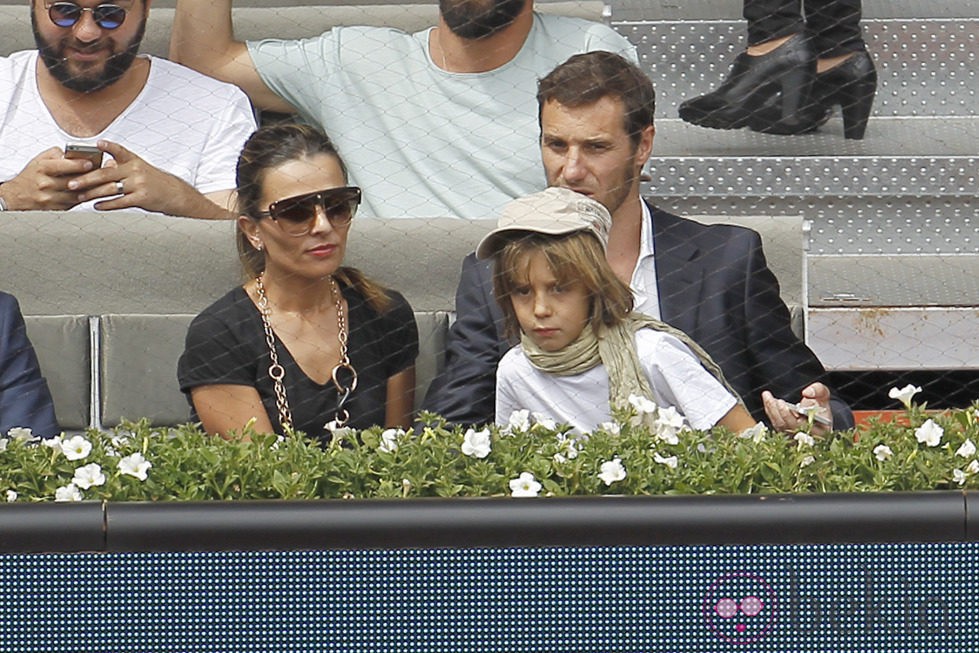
(66, 14)
(297, 215)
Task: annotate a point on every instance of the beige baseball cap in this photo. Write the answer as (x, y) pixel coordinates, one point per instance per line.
(553, 211)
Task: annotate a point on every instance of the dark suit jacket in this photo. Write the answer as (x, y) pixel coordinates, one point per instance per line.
(25, 400)
(713, 284)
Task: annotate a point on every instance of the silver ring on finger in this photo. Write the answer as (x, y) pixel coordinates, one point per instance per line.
(121, 187)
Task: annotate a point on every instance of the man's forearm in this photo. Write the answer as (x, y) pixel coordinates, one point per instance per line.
(202, 32)
(213, 206)
(203, 39)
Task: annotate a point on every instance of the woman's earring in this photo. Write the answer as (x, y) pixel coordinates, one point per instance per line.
(258, 245)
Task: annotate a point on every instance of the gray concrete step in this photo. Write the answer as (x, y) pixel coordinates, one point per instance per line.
(923, 138)
(925, 66)
(907, 187)
(899, 157)
(859, 224)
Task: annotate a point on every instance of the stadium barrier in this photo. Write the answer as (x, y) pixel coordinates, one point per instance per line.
(888, 572)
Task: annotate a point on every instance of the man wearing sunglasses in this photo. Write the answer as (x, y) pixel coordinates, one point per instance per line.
(160, 137)
(437, 123)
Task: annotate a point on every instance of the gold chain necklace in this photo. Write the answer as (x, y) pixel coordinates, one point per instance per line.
(277, 372)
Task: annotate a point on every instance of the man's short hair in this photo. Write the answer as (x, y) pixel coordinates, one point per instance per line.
(584, 79)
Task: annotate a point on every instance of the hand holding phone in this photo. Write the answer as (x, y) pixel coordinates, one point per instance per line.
(806, 411)
(90, 152)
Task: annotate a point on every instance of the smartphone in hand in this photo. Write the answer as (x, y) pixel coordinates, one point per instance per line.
(90, 152)
(805, 411)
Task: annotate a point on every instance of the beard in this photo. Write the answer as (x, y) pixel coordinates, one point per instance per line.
(477, 19)
(53, 56)
(619, 194)
(611, 197)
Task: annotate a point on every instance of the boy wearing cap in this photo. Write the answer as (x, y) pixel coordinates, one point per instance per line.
(583, 351)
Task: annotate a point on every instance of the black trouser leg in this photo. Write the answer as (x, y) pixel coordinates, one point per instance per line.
(772, 19)
(833, 24)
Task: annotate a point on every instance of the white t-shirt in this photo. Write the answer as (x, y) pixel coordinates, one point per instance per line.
(674, 373)
(420, 141)
(182, 122)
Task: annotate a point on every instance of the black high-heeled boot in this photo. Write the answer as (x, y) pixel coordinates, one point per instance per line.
(787, 71)
(851, 84)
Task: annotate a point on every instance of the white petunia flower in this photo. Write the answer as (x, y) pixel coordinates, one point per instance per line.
(476, 443)
(88, 475)
(612, 471)
(612, 428)
(11, 496)
(67, 493)
(53, 443)
(3, 444)
(882, 452)
(519, 420)
(808, 410)
(337, 432)
(568, 448)
(757, 433)
(666, 434)
(804, 439)
(642, 405)
(76, 448)
(959, 476)
(135, 465)
(389, 440)
(669, 422)
(524, 485)
(545, 421)
(121, 438)
(929, 433)
(973, 467)
(669, 461)
(570, 445)
(20, 433)
(967, 450)
(671, 417)
(808, 460)
(905, 394)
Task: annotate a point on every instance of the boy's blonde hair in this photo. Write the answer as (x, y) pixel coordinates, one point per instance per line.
(574, 257)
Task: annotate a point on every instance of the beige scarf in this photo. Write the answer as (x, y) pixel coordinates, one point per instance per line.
(615, 347)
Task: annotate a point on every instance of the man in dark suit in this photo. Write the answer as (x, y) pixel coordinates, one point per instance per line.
(25, 400)
(711, 281)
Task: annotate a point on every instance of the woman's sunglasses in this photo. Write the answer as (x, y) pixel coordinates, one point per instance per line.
(297, 215)
(66, 14)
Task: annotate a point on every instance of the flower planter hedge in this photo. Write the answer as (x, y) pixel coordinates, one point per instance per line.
(636, 455)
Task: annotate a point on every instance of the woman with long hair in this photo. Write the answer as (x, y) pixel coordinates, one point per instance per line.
(306, 341)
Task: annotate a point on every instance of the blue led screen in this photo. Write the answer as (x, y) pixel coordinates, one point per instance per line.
(826, 598)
